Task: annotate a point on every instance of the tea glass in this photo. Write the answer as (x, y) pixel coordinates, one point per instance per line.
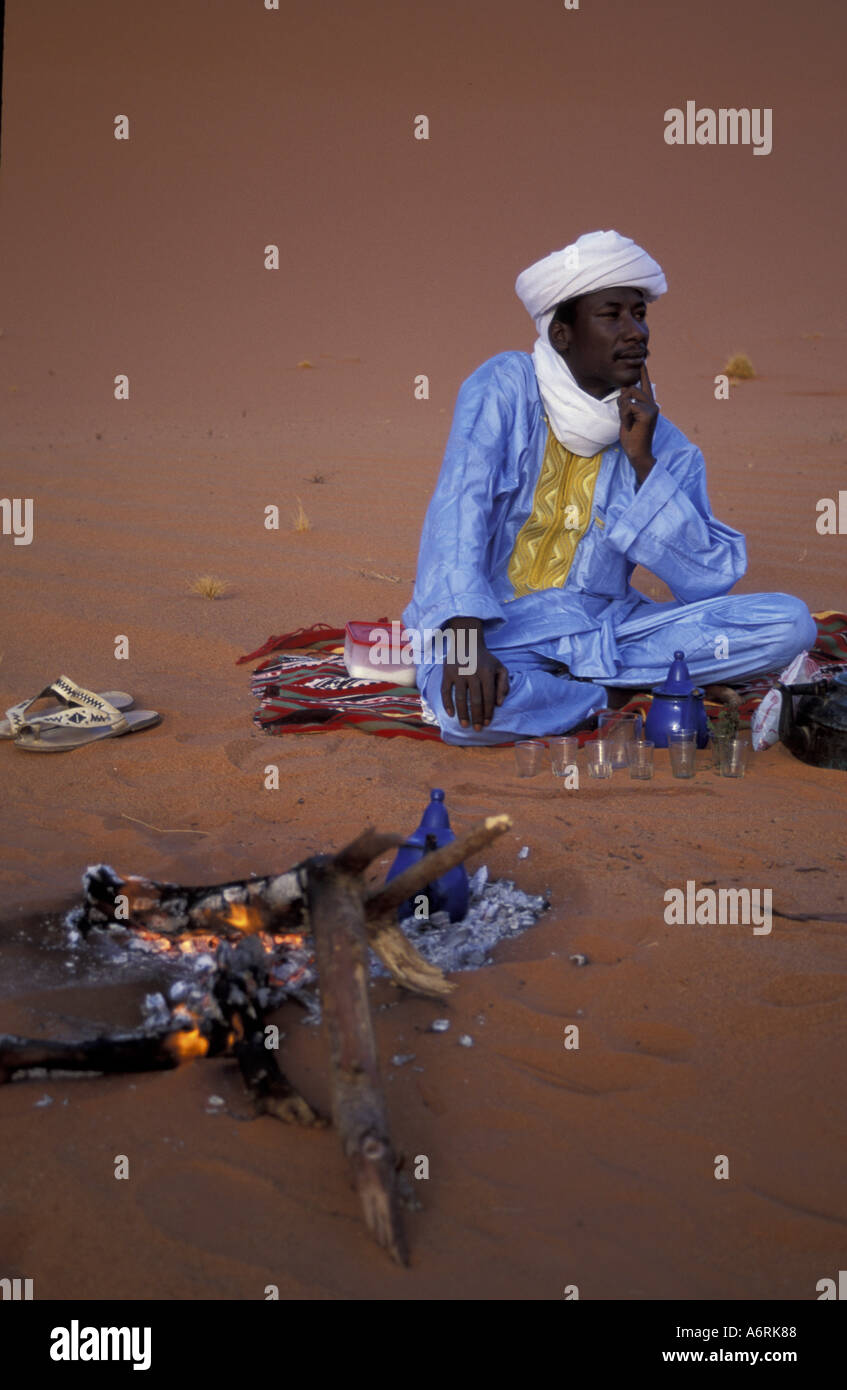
(734, 753)
(682, 746)
(599, 759)
(563, 753)
(529, 757)
(641, 759)
(619, 728)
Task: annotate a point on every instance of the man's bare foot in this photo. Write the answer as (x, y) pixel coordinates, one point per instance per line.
(723, 695)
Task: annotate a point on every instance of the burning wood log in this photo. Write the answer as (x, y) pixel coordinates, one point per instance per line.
(170, 909)
(275, 905)
(129, 1052)
(358, 1107)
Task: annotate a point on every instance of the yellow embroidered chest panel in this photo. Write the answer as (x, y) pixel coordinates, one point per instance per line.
(561, 512)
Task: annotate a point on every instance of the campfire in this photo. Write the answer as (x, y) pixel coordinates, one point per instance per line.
(240, 949)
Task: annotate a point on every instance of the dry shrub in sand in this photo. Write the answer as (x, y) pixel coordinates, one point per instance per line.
(739, 367)
(207, 586)
(301, 521)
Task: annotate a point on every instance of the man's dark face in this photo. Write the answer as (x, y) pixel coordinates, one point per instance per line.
(607, 342)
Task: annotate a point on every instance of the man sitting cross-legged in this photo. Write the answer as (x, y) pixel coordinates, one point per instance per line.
(560, 476)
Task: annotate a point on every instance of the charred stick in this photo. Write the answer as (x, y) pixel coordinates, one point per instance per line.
(239, 990)
(271, 1090)
(355, 857)
(229, 909)
(358, 1105)
(124, 1053)
(811, 916)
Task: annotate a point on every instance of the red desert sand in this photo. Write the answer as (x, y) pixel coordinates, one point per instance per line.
(548, 1166)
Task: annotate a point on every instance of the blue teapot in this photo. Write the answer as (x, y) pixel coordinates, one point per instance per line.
(676, 705)
(450, 892)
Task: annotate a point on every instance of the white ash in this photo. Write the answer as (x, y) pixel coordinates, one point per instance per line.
(54, 1073)
(155, 1010)
(496, 910)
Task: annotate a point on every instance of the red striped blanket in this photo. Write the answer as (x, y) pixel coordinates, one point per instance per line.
(303, 687)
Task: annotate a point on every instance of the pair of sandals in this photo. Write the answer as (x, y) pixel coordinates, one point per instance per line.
(80, 717)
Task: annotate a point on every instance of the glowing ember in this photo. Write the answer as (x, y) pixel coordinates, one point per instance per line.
(206, 943)
(291, 960)
(187, 1045)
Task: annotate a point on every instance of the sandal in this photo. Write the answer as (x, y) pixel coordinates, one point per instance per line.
(69, 694)
(92, 719)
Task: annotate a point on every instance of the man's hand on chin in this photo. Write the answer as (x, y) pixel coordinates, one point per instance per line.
(639, 413)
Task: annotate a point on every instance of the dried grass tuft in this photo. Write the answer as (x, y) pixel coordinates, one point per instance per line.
(739, 367)
(208, 586)
(377, 574)
(301, 521)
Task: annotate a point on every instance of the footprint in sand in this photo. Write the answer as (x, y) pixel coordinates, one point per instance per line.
(798, 991)
(241, 1201)
(598, 1074)
(243, 753)
(654, 1039)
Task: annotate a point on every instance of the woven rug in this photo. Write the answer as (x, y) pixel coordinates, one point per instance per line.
(306, 690)
(303, 687)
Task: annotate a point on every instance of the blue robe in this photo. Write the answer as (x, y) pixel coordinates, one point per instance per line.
(599, 627)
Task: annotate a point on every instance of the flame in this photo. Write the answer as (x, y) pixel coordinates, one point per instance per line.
(243, 918)
(188, 1044)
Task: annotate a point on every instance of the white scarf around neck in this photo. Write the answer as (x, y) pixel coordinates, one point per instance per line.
(582, 423)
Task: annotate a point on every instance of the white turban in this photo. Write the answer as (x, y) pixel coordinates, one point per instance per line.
(595, 261)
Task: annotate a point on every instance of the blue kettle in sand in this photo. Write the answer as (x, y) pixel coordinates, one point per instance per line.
(450, 892)
(676, 705)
